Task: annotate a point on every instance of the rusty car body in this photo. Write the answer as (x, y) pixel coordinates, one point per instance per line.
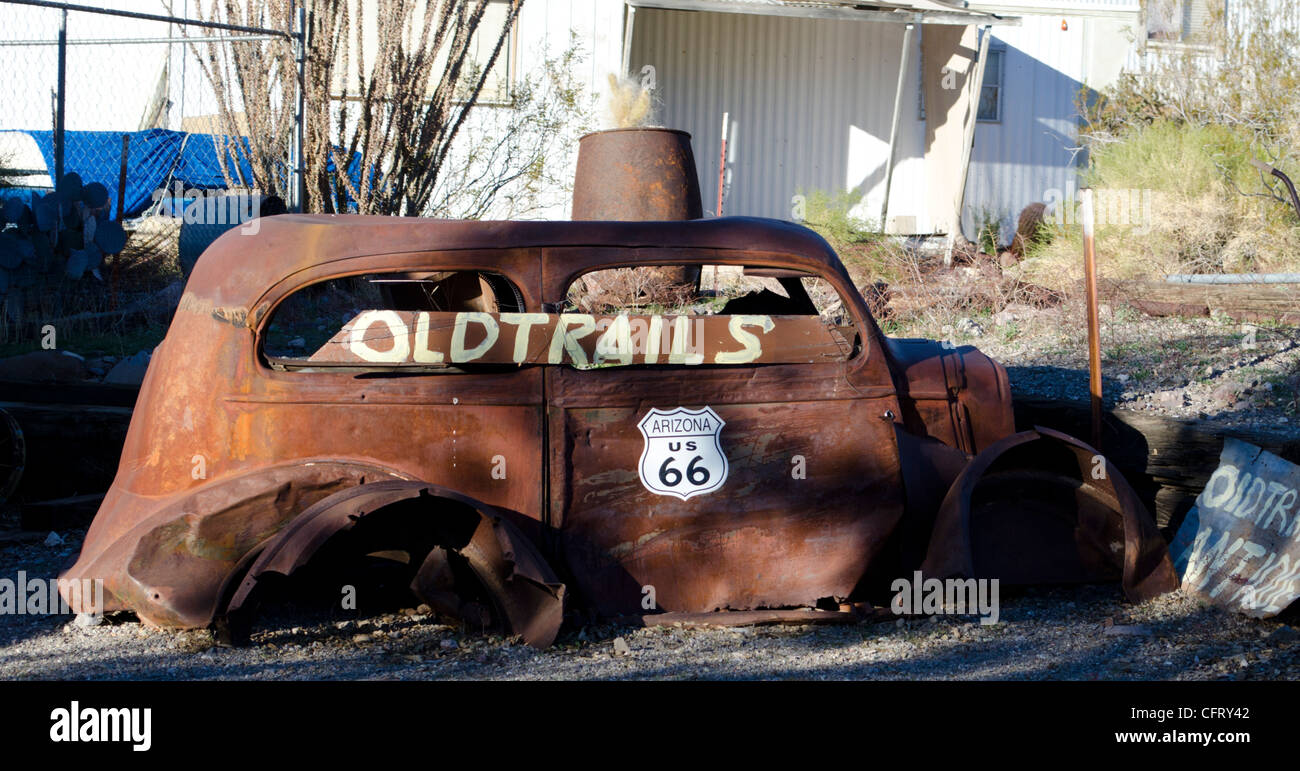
(509, 438)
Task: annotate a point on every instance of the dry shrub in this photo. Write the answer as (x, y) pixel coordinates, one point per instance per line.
(630, 104)
(633, 289)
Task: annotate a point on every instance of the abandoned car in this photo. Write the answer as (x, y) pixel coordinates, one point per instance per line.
(626, 419)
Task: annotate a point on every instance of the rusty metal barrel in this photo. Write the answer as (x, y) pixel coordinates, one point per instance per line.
(636, 174)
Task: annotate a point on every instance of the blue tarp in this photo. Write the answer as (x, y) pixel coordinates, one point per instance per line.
(158, 158)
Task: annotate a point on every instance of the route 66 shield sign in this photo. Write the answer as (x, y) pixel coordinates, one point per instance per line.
(683, 452)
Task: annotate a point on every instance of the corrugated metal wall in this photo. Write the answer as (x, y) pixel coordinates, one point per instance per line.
(810, 104)
(1030, 150)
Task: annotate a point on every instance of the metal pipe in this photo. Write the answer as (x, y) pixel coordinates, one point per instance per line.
(1094, 321)
(1233, 278)
(903, 60)
(297, 192)
(975, 86)
(1295, 198)
(627, 39)
(106, 41)
(722, 162)
(65, 7)
(60, 100)
(121, 178)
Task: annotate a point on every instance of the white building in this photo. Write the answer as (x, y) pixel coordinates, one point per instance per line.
(890, 99)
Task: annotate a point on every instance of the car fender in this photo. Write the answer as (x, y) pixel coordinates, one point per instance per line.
(514, 573)
(1043, 507)
(168, 559)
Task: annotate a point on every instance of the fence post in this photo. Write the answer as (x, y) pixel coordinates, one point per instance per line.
(60, 98)
(298, 181)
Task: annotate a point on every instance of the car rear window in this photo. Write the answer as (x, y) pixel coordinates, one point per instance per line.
(715, 314)
(307, 327)
(669, 316)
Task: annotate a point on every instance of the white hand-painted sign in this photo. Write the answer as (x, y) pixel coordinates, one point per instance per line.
(1240, 545)
(683, 452)
(438, 339)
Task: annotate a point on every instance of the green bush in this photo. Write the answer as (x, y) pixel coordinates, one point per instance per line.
(1196, 215)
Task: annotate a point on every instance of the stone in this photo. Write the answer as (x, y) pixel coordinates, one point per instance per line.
(1131, 630)
(621, 648)
(129, 371)
(170, 295)
(1283, 635)
(969, 327)
(1171, 399)
(1226, 395)
(53, 539)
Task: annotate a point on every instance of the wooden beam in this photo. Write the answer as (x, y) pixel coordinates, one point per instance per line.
(1244, 302)
(1167, 461)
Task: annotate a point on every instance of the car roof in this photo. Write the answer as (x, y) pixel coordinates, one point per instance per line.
(237, 269)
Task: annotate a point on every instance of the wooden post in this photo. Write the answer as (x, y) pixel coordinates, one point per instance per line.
(1094, 322)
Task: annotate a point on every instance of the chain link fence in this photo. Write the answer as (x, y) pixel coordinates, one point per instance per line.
(110, 130)
(104, 93)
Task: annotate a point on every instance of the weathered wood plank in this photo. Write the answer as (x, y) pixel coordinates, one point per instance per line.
(1245, 302)
(1166, 460)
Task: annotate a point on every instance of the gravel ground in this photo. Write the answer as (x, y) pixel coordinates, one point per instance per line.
(1212, 369)
(1083, 633)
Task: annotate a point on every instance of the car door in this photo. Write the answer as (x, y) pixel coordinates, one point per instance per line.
(383, 380)
(696, 480)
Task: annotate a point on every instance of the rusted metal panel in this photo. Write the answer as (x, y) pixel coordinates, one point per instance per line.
(1238, 545)
(170, 565)
(753, 618)
(813, 488)
(1043, 507)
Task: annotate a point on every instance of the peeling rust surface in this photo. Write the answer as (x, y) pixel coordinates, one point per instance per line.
(636, 174)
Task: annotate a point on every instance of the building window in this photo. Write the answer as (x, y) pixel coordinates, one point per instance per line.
(1183, 21)
(990, 109)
